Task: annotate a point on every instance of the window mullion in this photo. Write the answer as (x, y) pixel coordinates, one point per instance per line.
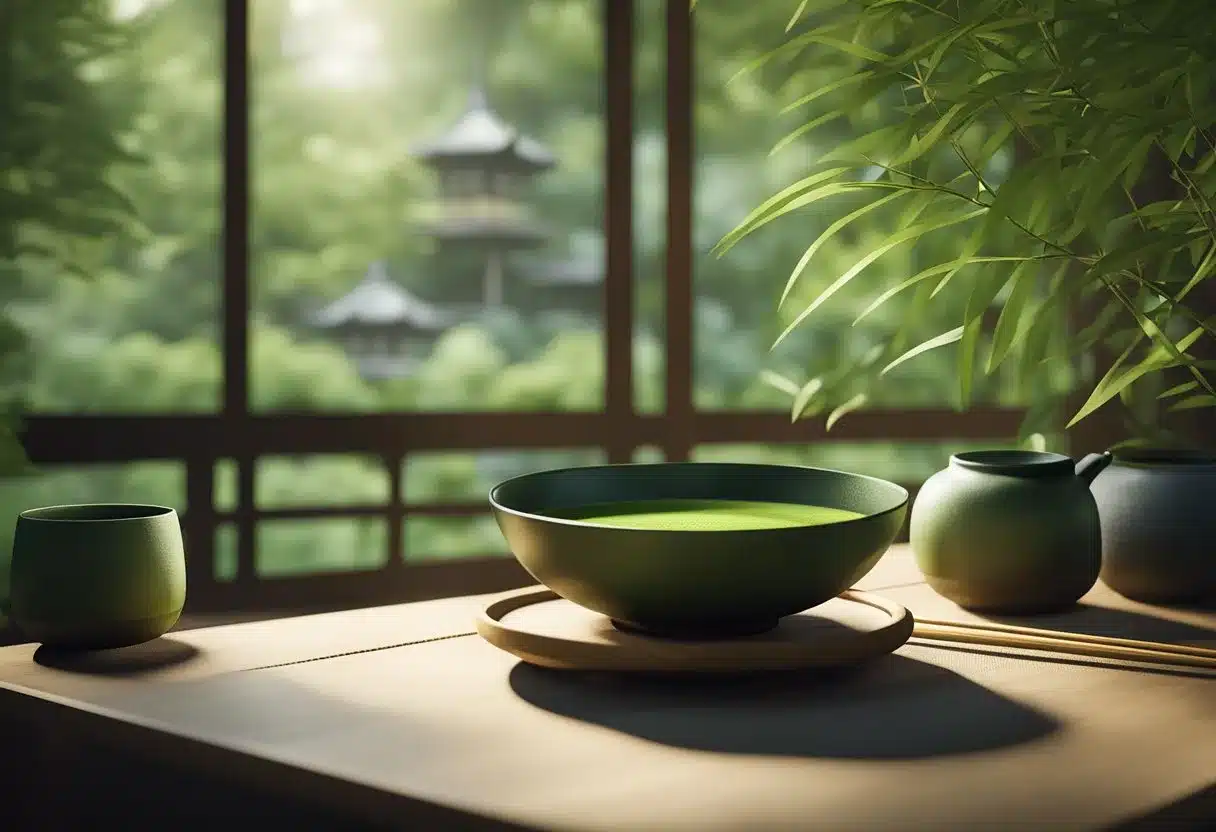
(678, 425)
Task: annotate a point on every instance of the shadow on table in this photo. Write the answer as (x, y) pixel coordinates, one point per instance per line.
(1194, 812)
(893, 708)
(157, 654)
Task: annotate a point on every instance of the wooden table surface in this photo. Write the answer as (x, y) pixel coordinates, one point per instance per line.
(402, 717)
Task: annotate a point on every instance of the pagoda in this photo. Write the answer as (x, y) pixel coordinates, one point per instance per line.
(484, 166)
(385, 330)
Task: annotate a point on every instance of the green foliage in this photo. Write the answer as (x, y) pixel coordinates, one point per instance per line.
(1110, 105)
(58, 145)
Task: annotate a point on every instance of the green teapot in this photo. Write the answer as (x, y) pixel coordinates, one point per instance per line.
(1014, 532)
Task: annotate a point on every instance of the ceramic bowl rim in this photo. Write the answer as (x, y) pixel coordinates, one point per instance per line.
(495, 503)
(135, 512)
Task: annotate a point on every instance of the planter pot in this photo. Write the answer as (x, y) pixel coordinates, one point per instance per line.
(1158, 517)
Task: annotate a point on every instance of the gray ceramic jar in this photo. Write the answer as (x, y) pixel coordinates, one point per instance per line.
(1158, 513)
(1013, 532)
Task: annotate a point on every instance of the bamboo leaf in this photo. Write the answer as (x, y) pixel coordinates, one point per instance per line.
(1175, 352)
(1176, 144)
(923, 144)
(1027, 182)
(1039, 414)
(819, 194)
(1136, 161)
(854, 49)
(1205, 164)
(993, 44)
(848, 407)
(1139, 247)
(932, 344)
(1194, 403)
(921, 202)
(983, 291)
(1179, 389)
(821, 36)
(925, 274)
(1111, 384)
(827, 89)
(974, 241)
(872, 355)
(1107, 171)
(830, 232)
(1162, 208)
(998, 139)
(778, 382)
(872, 144)
(1009, 323)
(803, 398)
(895, 240)
(1162, 340)
(1098, 326)
(1034, 346)
(797, 15)
(966, 362)
(1201, 272)
(944, 46)
(802, 130)
(1197, 249)
(764, 213)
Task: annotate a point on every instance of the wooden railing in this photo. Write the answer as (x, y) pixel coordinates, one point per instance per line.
(201, 441)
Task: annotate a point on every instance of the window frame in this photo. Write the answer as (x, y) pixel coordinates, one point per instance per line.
(236, 433)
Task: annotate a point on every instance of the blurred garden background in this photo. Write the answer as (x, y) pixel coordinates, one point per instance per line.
(348, 97)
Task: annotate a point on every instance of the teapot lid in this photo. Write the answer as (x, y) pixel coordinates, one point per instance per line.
(1015, 463)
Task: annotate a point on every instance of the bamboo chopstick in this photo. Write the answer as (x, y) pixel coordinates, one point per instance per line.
(1085, 638)
(1101, 647)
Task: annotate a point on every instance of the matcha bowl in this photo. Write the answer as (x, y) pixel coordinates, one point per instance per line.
(698, 550)
(97, 576)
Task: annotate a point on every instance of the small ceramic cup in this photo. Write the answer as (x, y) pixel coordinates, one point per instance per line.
(97, 576)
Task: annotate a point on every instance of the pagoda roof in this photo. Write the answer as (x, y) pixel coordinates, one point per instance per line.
(482, 133)
(378, 300)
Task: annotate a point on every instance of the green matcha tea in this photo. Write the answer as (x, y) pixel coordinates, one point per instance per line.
(705, 515)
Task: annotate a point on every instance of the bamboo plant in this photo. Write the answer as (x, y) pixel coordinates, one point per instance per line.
(1107, 212)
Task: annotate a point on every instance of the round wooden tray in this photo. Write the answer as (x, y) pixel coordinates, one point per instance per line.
(544, 629)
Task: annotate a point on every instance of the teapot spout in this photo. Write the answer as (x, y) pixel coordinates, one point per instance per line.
(1093, 464)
